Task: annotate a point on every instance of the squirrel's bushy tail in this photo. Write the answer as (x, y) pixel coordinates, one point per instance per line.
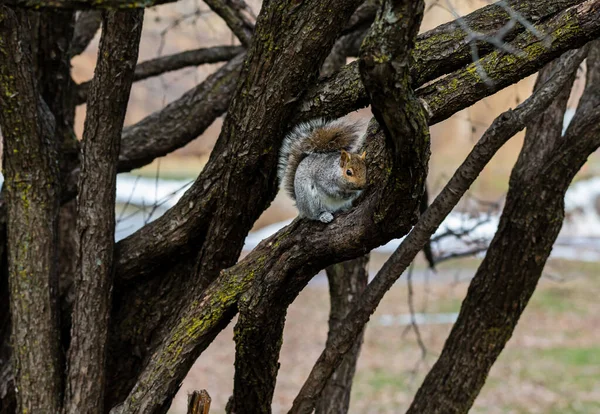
(316, 136)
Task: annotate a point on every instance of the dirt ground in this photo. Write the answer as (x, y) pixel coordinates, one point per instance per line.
(551, 365)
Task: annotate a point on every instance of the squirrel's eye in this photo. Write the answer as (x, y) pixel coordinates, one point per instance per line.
(349, 173)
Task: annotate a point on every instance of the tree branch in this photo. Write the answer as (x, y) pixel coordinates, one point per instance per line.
(266, 97)
(343, 92)
(95, 207)
(84, 4)
(86, 26)
(347, 281)
(503, 128)
(570, 29)
(164, 64)
(182, 120)
(531, 220)
(32, 190)
(239, 23)
(165, 262)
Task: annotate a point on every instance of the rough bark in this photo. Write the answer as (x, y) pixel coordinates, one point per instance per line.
(86, 26)
(503, 128)
(347, 281)
(8, 403)
(263, 103)
(256, 359)
(150, 312)
(32, 197)
(50, 35)
(95, 210)
(84, 4)
(343, 92)
(53, 34)
(507, 277)
(164, 64)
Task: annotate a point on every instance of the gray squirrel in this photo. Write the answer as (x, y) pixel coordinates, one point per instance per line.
(319, 167)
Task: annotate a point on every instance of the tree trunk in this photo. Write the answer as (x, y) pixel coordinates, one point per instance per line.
(32, 191)
(107, 105)
(347, 280)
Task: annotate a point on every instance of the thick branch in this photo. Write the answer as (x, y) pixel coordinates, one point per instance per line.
(570, 29)
(264, 101)
(164, 64)
(507, 277)
(110, 89)
(344, 92)
(503, 128)
(384, 69)
(32, 191)
(86, 26)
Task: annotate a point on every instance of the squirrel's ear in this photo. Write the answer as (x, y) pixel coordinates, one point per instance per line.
(363, 155)
(344, 158)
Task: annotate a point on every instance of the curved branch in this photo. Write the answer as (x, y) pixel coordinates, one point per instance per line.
(164, 64)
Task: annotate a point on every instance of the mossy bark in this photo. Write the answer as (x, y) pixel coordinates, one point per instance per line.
(117, 56)
(507, 277)
(32, 197)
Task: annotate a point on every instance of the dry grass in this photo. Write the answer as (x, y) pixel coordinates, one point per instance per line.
(551, 365)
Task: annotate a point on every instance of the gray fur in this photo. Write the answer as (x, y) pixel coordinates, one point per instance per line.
(318, 186)
(309, 169)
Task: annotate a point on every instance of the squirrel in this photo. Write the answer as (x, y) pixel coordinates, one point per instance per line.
(319, 167)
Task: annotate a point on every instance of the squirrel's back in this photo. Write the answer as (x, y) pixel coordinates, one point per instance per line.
(313, 137)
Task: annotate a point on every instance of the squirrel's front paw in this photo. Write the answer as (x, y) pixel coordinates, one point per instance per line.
(326, 217)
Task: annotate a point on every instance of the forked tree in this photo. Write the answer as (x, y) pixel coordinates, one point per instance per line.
(90, 326)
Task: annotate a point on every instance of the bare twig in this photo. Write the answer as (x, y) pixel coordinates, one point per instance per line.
(413, 321)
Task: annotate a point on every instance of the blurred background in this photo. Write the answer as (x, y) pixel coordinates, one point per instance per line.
(553, 361)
